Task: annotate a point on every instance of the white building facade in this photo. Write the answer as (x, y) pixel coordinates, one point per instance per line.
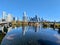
(9, 18)
(24, 17)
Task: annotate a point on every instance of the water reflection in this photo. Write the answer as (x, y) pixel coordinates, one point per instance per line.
(58, 38)
(32, 35)
(10, 37)
(36, 28)
(24, 29)
(58, 31)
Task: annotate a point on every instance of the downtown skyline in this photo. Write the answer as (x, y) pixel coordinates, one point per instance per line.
(46, 9)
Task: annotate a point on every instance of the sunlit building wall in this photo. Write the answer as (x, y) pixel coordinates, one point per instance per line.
(4, 15)
(24, 17)
(9, 18)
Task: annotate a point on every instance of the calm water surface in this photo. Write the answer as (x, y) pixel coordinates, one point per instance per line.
(29, 35)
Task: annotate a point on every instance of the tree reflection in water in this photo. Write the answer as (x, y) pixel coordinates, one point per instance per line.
(32, 36)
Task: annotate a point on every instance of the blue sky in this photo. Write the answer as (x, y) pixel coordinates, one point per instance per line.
(48, 9)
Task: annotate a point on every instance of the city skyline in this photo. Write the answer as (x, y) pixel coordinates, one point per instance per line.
(46, 9)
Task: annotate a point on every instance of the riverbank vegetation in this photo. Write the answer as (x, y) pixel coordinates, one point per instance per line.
(45, 24)
(1, 37)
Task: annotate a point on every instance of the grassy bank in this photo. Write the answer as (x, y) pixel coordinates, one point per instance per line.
(1, 37)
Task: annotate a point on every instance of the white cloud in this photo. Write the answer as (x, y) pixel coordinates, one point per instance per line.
(58, 41)
(10, 37)
(58, 38)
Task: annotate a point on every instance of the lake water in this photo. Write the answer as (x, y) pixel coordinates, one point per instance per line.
(29, 35)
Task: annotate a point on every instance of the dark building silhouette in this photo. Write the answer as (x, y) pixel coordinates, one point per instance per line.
(34, 19)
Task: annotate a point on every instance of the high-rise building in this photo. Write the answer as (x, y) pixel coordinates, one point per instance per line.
(14, 18)
(24, 17)
(4, 15)
(9, 18)
(34, 19)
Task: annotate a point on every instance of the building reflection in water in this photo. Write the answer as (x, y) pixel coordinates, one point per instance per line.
(9, 29)
(36, 28)
(24, 30)
(58, 31)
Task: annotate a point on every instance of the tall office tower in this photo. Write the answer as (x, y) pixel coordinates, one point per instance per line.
(4, 15)
(13, 18)
(38, 19)
(17, 18)
(24, 17)
(9, 18)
